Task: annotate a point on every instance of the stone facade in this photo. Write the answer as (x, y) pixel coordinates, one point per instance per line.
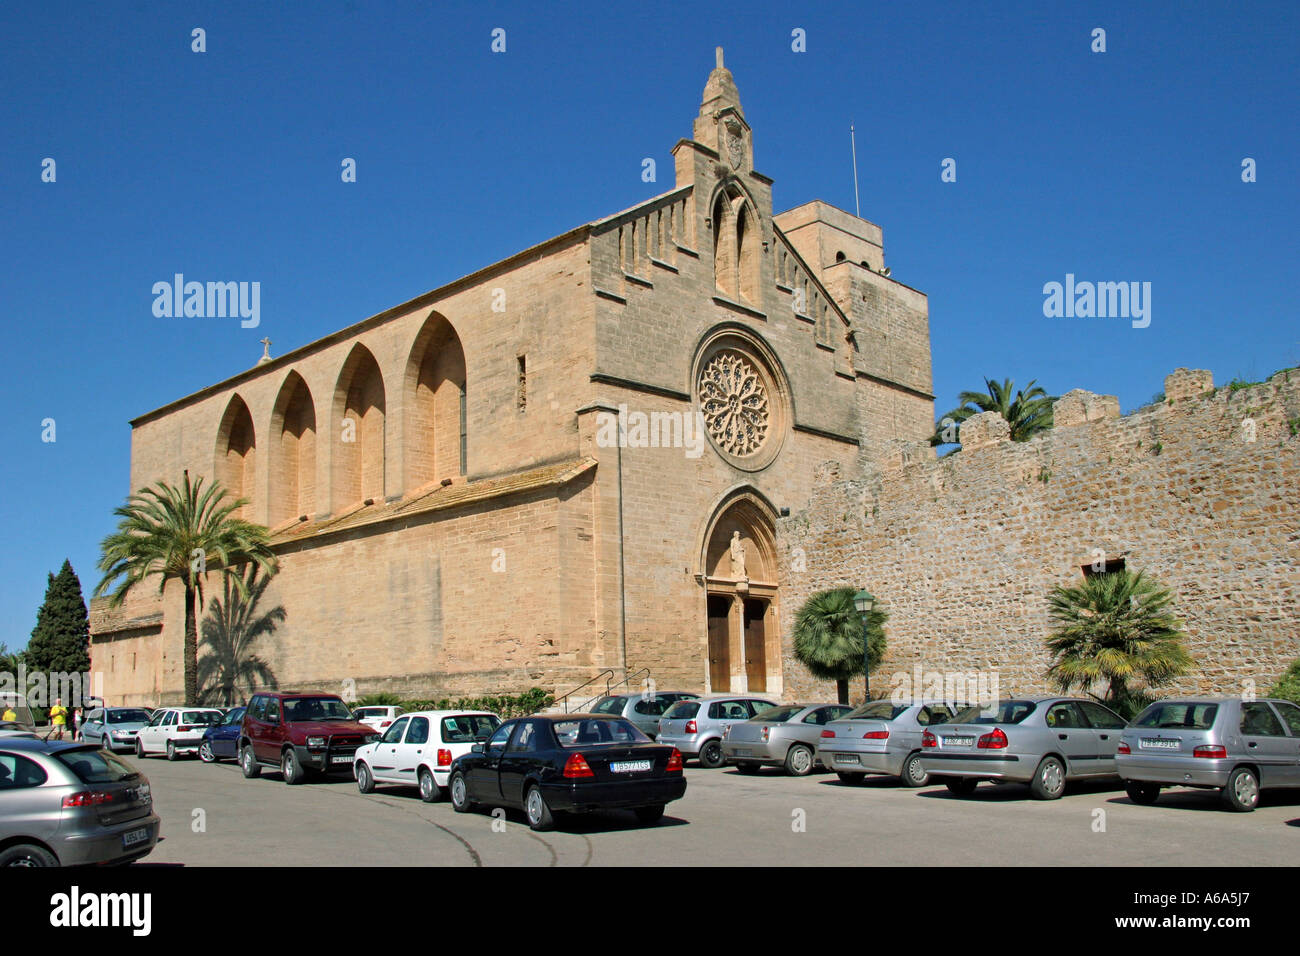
(1198, 490)
(449, 510)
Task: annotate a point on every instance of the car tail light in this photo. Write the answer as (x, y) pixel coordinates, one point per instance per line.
(577, 766)
(383, 724)
(828, 733)
(996, 740)
(876, 735)
(1211, 751)
(767, 732)
(444, 757)
(929, 740)
(184, 729)
(1123, 748)
(87, 798)
(674, 762)
(691, 728)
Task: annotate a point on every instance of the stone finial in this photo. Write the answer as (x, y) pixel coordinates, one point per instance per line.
(720, 90)
(1188, 383)
(1080, 405)
(717, 55)
(266, 352)
(986, 428)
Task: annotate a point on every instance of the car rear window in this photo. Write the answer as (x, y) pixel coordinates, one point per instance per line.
(592, 731)
(96, 766)
(682, 710)
(1178, 716)
(875, 710)
(467, 728)
(201, 717)
(1007, 712)
(777, 715)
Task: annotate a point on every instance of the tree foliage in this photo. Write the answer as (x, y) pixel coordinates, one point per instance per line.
(828, 637)
(1028, 411)
(60, 642)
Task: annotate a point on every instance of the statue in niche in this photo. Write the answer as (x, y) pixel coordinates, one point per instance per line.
(738, 558)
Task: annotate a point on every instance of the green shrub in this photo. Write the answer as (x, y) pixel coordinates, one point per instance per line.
(1288, 687)
(504, 705)
(381, 699)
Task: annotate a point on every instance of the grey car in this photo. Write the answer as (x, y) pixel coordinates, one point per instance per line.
(695, 727)
(882, 737)
(1042, 741)
(114, 728)
(643, 710)
(69, 804)
(1235, 746)
(784, 736)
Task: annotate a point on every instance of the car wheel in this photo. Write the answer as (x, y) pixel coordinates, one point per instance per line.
(290, 768)
(139, 749)
(26, 854)
(711, 755)
(798, 761)
(248, 762)
(649, 815)
(1143, 793)
(850, 777)
(430, 792)
(914, 775)
(459, 789)
(539, 814)
(365, 779)
(171, 750)
(1242, 792)
(206, 754)
(748, 769)
(1049, 780)
(961, 786)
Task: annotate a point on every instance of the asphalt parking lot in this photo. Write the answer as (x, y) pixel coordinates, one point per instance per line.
(212, 816)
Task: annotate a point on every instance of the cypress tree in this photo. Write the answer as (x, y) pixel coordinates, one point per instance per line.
(61, 639)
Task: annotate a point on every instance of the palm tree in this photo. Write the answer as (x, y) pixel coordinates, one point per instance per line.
(1028, 411)
(1118, 628)
(232, 625)
(181, 534)
(828, 638)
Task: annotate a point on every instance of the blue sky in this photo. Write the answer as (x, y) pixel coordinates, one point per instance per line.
(1115, 166)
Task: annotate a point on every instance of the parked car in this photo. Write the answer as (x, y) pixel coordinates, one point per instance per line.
(882, 737)
(568, 763)
(419, 747)
(695, 727)
(11, 728)
(378, 718)
(1045, 742)
(783, 736)
(114, 728)
(299, 734)
(68, 804)
(18, 704)
(221, 740)
(643, 710)
(1237, 747)
(175, 731)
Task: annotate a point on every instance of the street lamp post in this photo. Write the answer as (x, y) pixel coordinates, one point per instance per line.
(864, 602)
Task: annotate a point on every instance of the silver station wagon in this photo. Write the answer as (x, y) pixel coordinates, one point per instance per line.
(695, 727)
(1235, 746)
(882, 737)
(1042, 741)
(783, 736)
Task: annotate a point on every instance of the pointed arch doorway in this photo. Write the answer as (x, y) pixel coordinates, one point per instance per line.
(743, 634)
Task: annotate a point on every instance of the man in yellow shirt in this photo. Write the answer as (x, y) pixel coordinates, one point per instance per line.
(9, 713)
(59, 718)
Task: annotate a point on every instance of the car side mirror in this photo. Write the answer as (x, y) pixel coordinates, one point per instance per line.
(477, 748)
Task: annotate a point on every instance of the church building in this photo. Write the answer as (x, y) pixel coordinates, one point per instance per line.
(569, 462)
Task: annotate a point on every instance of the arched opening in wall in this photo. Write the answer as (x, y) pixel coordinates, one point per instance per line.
(743, 650)
(236, 453)
(747, 257)
(435, 406)
(724, 246)
(293, 452)
(358, 434)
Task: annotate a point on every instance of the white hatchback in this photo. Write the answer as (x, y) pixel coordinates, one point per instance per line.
(380, 718)
(175, 730)
(418, 748)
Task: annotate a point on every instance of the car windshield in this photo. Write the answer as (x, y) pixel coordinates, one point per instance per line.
(875, 710)
(299, 709)
(467, 728)
(593, 731)
(610, 705)
(777, 715)
(128, 717)
(1007, 712)
(203, 717)
(96, 766)
(682, 710)
(1179, 716)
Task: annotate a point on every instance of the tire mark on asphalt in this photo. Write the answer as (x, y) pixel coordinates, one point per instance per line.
(469, 847)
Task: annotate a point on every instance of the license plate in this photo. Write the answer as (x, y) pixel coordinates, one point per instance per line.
(341, 758)
(845, 758)
(742, 752)
(134, 837)
(958, 741)
(629, 766)
(1160, 743)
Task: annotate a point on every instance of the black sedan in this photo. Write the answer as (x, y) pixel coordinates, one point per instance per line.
(570, 763)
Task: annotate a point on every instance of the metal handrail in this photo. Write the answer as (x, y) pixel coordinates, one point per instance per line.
(565, 697)
(609, 688)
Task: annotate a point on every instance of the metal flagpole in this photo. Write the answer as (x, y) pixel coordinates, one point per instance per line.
(857, 209)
